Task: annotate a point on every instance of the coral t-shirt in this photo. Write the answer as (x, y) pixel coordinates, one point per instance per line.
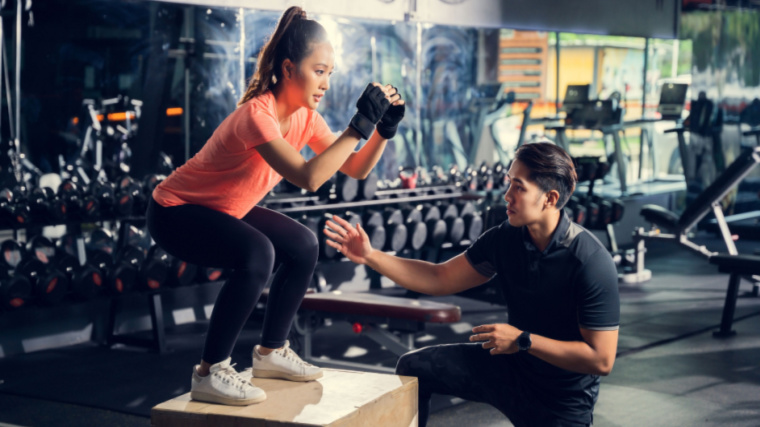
(228, 174)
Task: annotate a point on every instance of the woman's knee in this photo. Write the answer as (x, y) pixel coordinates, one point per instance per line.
(258, 257)
(304, 247)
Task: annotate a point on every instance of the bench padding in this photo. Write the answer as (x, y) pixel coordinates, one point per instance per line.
(660, 216)
(367, 304)
(737, 264)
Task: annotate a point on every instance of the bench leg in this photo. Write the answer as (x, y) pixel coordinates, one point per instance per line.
(729, 307)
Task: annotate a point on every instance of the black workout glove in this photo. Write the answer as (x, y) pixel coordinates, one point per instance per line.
(370, 107)
(389, 122)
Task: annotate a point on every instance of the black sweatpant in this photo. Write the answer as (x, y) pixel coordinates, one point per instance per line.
(251, 247)
(470, 372)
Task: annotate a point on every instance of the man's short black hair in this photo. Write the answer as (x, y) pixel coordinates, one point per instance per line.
(551, 168)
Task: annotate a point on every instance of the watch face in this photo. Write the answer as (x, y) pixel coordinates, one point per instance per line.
(523, 342)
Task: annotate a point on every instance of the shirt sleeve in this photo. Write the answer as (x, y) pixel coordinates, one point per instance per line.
(599, 301)
(481, 253)
(256, 128)
(320, 130)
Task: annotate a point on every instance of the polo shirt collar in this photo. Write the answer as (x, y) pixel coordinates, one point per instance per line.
(557, 236)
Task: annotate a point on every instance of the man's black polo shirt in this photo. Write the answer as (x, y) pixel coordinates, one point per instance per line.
(571, 284)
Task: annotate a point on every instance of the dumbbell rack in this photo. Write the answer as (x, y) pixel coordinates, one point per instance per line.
(383, 198)
(401, 196)
(158, 341)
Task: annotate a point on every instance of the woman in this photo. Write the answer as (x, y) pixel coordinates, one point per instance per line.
(205, 212)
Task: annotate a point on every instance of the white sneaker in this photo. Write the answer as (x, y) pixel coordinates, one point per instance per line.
(284, 363)
(225, 385)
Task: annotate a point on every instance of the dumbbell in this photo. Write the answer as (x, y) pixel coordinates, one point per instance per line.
(500, 177)
(101, 239)
(454, 224)
(473, 224)
(85, 279)
(15, 291)
(70, 194)
(618, 210)
(45, 207)
(470, 179)
(485, 177)
(339, 188)
(473, 221)
(105, 193)
(396, 233)
(128, 186)
(368, 187)
(416, 229)
(180, 273)
(438, 176)
(151, 273)
(437, 230)
(48, 285)
(119, 277)
(592, 210)
(12, 214)
(77, 202)
(585, 167)
(605, 212)
(209, 274)
(139, 237)
(578, 210)
(151, 181)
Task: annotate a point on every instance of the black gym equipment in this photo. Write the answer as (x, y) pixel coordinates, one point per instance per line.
(119, 277)
(677, 227)
(455, 227)
(151, 273)
(339, 188)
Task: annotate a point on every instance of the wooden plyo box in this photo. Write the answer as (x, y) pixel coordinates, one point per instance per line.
(338, 399)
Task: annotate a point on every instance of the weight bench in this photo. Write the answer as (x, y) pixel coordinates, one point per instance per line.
(737, 266)
(678, 227)
(390, 321)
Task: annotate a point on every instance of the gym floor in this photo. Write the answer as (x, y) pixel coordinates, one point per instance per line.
(670, 371)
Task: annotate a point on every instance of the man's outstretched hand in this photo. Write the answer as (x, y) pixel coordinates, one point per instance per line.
(351, 241)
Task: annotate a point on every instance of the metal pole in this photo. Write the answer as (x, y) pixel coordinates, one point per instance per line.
(556, 89)
(2, 64)
(418, 101)
(17, 139)
(242, 52)
(646, 66)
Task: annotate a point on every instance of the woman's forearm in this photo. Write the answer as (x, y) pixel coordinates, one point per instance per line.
(320, 168)
(360, 163)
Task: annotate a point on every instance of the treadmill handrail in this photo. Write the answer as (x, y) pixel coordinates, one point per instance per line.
(716, 191)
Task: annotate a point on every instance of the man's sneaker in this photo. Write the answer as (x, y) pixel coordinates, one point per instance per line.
(225, 385)
(283, 363)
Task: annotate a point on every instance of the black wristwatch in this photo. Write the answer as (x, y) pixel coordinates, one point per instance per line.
(524, 342)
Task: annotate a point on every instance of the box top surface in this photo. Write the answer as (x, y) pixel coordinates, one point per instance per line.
(337, 394)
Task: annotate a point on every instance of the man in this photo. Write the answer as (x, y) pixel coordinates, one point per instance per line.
(560, 286)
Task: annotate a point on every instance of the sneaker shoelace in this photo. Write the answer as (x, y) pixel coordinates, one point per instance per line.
(289, 354)
(231, 377)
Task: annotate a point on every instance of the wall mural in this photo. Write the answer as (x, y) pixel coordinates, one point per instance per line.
(726, 75)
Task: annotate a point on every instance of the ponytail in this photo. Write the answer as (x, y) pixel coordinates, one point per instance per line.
(292, 39)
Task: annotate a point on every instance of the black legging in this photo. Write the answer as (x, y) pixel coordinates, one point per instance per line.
(250, 247)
